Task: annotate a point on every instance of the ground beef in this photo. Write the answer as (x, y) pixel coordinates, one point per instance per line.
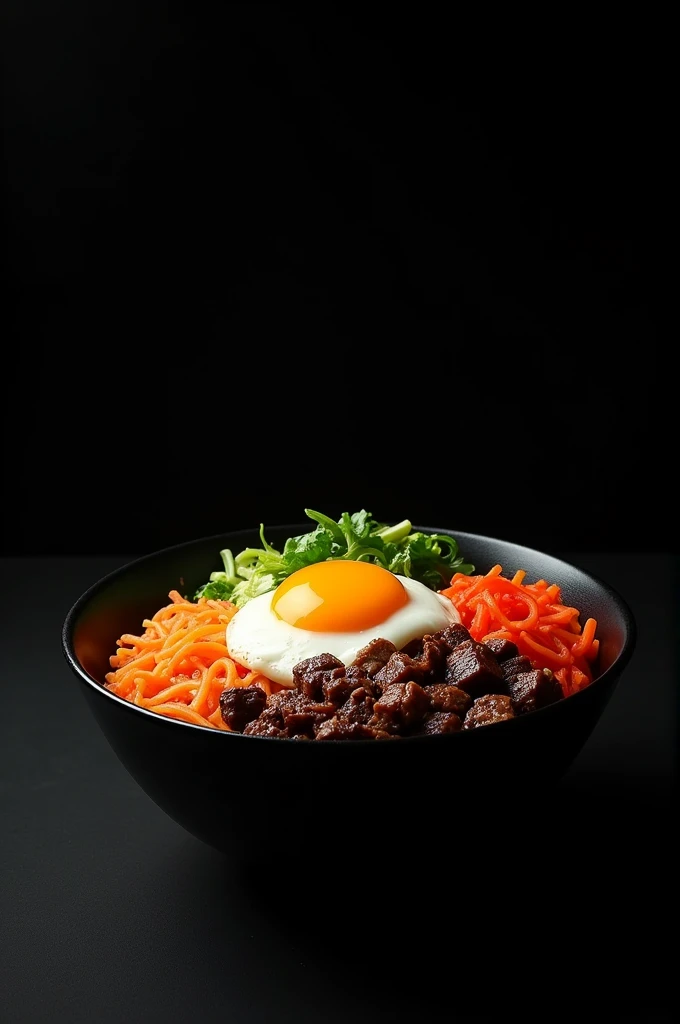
(445, 682)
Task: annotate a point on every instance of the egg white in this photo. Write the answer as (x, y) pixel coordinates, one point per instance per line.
(261, 641)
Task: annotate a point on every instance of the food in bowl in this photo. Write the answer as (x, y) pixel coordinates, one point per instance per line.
(264, 801)
(356, 630)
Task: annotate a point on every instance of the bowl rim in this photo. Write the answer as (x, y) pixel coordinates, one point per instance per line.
(73, 615)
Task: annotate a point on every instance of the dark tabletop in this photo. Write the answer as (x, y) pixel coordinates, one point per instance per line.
(111, 912)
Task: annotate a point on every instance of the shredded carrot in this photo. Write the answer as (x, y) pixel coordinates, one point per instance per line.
(534, 617)
(180, 664)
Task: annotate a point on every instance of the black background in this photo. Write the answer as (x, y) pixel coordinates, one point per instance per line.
(267, 257)
(263, 257)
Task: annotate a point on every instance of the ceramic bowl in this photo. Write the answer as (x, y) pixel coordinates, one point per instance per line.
(274, 801)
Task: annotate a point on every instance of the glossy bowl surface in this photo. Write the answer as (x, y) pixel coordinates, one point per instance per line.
(270, 800)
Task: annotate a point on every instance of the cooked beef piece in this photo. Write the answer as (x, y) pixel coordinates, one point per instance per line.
(448, 698)
(440, 721)
(358, 707)
(432, 659)
(296, 707)
(492, 707)
(311, 674)
(429, 652)
(269, 723)
(472, 667)
(335, 729)
(451, 636)
(534, 689)
(400, 669)
(293, 714)
(428, 660)
(374, 655)
(414, 648)
(513, 666)
(441, 683)
(240, 705)
(401, 707)
(337, 689)
(502, 649)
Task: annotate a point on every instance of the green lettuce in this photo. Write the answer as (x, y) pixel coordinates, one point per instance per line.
(430, 558)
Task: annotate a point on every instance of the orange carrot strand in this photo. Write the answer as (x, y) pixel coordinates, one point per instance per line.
(534, 617)
(180, 665)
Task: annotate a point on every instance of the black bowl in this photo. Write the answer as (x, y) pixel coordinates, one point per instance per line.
(271, 800)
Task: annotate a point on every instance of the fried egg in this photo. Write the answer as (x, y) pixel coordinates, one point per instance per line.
(334, 607)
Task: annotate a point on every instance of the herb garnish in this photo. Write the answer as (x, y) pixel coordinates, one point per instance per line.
(430, 558)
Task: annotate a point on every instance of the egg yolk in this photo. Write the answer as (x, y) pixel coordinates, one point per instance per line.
(338, 596)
